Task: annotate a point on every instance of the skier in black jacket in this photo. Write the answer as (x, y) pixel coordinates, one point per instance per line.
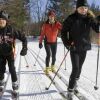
(7, 38)
(75, 35)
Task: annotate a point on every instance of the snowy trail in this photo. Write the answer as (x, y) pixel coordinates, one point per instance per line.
(87, 80)
(33, 81)
(64, 82)
(57, 82)
(44, 75)
(39, 64)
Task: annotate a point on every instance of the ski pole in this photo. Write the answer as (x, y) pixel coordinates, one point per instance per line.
(26, 61)
(64, 55)
(37, 58)
(58, 69)
(96, 87)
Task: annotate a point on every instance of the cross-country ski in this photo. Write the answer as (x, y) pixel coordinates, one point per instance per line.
(49, 50)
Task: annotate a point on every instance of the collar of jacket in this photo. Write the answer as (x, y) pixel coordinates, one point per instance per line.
(3, 30)
(80, 15)
(47, 22)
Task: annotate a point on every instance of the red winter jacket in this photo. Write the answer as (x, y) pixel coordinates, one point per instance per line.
(50, 31)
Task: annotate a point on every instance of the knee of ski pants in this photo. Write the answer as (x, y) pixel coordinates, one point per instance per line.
(2, 69)
(74, 73)
(12, 69)
(11, 66)
(2, 65)
(75, 70)
(1, 76)
(53, 59)
(48, 56)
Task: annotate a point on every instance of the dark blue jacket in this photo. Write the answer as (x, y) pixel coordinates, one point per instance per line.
(76, 28)
(7, 38)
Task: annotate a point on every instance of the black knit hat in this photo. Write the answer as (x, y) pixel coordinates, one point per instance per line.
(81, 3)
(4, 15)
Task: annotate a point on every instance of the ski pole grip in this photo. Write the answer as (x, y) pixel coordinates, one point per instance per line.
(72, 43)
(99, 39)
(99, 36)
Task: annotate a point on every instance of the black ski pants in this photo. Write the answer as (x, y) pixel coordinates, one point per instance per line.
(51, 49)
(77, 59)
(10, 60)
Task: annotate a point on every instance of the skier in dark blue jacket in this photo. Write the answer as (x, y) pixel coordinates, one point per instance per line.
(7, 37)
(75, 35)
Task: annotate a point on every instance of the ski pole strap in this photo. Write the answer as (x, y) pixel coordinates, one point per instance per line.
(99, 36)
(72, 43)
(99, 40)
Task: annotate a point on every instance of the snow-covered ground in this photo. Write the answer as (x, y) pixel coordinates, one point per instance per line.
(32, 80)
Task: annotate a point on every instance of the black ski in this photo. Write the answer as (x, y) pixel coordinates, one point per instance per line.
(80, 95)
(77, 93)
(54, 83)
(15, 95)
(63, 92)
(2, 90)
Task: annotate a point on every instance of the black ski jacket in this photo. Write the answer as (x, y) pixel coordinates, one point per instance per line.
(7, 39)
(76, 29)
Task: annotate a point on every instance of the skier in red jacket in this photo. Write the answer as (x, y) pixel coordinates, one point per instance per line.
(49, 32)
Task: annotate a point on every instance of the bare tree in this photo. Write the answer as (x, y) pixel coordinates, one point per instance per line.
(37, 13)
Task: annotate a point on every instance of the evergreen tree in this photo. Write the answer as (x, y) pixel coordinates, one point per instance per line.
(15, 8)
(62, 8)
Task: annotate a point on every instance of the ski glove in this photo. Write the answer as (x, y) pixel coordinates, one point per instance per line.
(70, 45)
(40, 45)
(23, 51)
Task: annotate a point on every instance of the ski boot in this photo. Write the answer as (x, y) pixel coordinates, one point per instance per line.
(76, 88)
(78, 93)
(47, 70)
(2, 84)
(15, 92)
(70, 95)
(53, 68)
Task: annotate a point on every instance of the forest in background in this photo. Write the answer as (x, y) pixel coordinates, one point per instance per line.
(29, 15)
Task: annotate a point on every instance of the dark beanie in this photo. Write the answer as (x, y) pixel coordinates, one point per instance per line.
(81, 3)
(4, 15)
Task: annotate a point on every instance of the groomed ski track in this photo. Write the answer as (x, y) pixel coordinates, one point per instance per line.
(32, 80)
